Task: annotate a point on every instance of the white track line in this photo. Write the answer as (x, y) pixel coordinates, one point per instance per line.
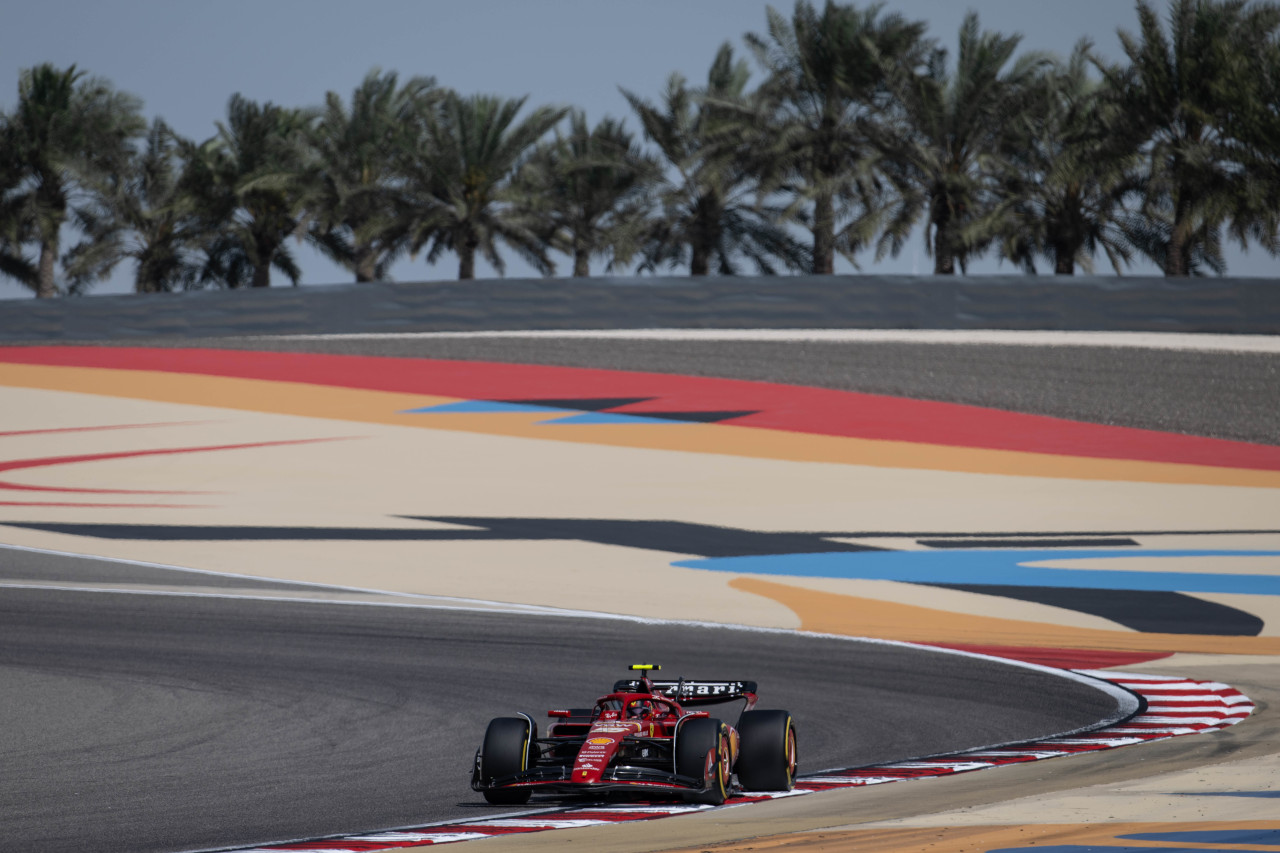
(989, 337)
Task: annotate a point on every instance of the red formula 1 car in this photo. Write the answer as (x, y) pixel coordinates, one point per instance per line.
(642, 739)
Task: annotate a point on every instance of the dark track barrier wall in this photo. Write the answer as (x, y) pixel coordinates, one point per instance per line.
(846, 301)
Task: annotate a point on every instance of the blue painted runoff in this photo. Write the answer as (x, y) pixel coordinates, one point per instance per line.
(492, 407)
(607, 418)
(478, 407)
(1108, 848)
(1000, 567)
(1253, 837)
(1258, 837)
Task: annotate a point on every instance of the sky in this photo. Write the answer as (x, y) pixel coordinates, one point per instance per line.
(185, 59)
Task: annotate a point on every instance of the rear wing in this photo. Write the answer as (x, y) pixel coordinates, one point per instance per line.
(694, 692)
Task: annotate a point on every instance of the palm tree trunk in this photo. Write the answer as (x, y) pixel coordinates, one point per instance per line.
(700, 264)
(45, 286)
(143, 280)
(1177, 263)
(581, 263)
(944, 256)
(265, 249)
(824, 235)
(467, 260)
(704, 236)
(1066, 230)
(156, 263)
(366, 263)
(1064, 258)
(944, 263)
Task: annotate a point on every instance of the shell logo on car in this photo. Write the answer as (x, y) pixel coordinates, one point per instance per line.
(601, 740)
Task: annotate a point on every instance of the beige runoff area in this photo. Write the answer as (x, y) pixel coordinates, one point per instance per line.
(367, 475)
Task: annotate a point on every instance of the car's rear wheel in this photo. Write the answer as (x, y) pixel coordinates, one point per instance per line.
(766, 751)
(508, 749)
(702, 751)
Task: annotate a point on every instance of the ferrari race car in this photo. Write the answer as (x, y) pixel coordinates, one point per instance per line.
(642, 740)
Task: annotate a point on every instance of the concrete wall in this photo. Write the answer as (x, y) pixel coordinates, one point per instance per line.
(854, 301)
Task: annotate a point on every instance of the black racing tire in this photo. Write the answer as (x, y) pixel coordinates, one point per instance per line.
(766, 751)
(508, 748)
(702, 750)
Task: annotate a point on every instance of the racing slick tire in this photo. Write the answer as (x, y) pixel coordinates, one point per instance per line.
(703, 752)
(508, 749)
(766, 751)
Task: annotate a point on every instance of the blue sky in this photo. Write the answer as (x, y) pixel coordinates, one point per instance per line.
(185, 59)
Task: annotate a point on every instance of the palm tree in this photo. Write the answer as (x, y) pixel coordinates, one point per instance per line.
(1063, 179)
(711, 198)
(827, 83)
(66, 130)
(1254, 121)
(952, 129)
(15, 230)
(1176, 95)
(592, 188)
(353, 195)
(457, 179)
(248, 182)
(141, 213)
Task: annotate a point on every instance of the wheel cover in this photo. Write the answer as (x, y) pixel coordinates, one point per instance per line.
(722, 760)
(791, 753)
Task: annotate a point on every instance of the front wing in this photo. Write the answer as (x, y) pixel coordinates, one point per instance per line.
(622, 778)
(553, 771)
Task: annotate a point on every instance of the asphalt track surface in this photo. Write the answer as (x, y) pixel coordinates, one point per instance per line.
(137, 723)
(146, 722)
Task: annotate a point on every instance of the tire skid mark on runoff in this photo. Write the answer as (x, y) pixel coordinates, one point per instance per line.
(1172, 707)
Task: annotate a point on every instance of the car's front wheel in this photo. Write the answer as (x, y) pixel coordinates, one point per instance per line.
(508, 749)
(702, 751)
